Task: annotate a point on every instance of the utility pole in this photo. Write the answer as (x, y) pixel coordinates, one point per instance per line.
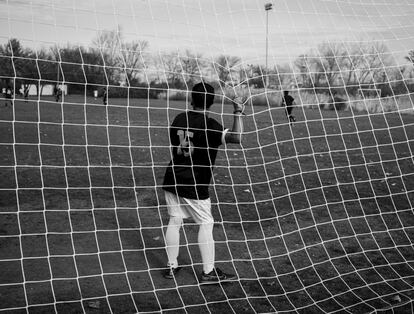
(268, 7)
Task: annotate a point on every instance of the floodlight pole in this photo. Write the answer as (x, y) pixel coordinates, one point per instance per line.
(268, 7)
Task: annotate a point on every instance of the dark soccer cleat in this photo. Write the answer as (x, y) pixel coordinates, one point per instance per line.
(216, 275)
(171, 272)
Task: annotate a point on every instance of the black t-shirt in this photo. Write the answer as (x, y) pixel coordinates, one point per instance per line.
(195, 139)
(288, 101)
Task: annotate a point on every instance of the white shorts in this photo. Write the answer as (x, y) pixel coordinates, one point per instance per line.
(199, 210)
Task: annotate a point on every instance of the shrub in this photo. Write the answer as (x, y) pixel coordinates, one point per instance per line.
(385, 104)
(338, 103)
(265, 99)
(178, 95)
(125, 92)
(321, 101)
(402, 103)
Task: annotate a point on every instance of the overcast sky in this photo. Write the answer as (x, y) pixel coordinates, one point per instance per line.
(213, 27)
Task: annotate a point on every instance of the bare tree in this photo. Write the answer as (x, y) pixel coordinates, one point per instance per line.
(108, 43)
(372, 61)
(123, 61)
(224, 66)
(410, 56)
(285, 75)
(311, 70)
(254, 75)
(132, 59)
(171, 69)
(192, 64)
(332, 58)
(333, 64)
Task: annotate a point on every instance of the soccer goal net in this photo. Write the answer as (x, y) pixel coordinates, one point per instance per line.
(313, 211)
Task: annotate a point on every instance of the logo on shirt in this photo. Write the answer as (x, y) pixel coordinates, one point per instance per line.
(186, 147)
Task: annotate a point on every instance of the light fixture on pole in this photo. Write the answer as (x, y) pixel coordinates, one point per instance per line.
(268, 7)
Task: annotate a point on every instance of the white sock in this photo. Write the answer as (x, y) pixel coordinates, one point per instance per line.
(207, 247)
(172, 240)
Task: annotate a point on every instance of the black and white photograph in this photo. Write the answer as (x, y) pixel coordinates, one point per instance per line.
(206, 156)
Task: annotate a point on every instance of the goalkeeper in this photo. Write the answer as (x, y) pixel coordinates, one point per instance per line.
(195, 139)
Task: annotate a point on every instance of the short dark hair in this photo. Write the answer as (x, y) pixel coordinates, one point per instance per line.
(202, 95)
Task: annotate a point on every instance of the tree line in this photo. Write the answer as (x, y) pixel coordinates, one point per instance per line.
(112, 61)
(352, 66)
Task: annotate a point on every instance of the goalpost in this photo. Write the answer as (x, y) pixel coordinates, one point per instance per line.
(313, 215)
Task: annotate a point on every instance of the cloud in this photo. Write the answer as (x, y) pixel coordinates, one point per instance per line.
(213, 27)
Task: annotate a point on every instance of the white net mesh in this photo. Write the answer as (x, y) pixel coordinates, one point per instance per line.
(313, 212)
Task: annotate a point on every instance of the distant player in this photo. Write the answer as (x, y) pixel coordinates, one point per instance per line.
(105, 97)
(58, 93)
(288, 102)
(26, 94)
(9, 96)
(195, 138)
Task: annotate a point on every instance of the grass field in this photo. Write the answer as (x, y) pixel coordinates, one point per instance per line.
(313, 218)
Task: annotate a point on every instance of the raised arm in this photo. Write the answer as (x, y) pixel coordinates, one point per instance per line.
(235, 134)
